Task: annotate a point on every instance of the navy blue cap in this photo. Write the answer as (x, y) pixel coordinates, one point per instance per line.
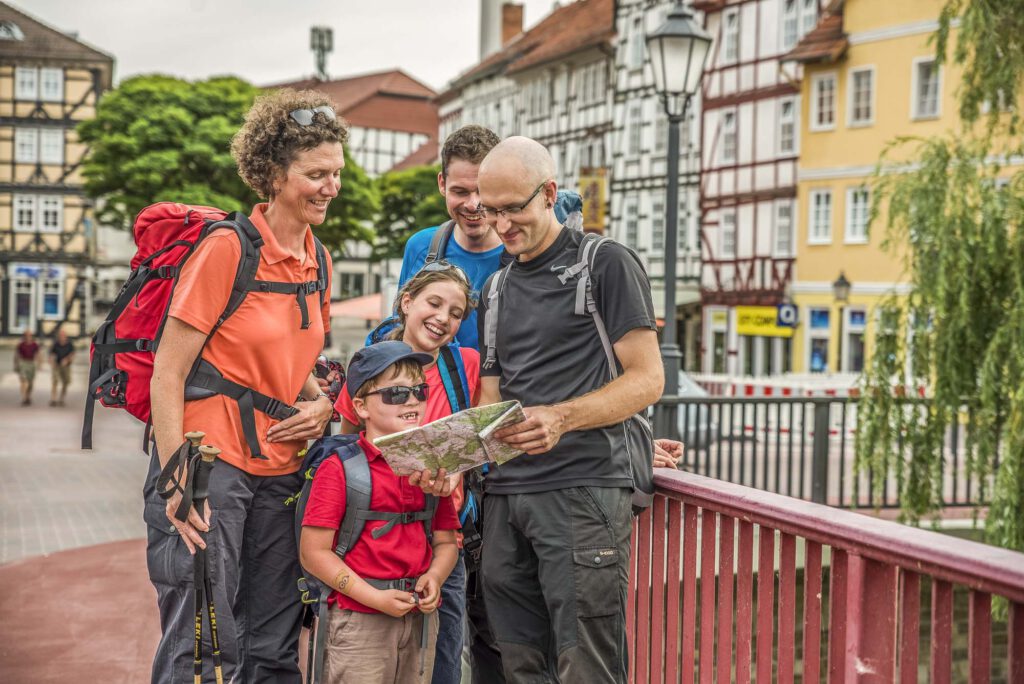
(369, 362)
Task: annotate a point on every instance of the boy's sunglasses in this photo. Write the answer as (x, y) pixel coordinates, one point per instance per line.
(399, 394)
(304, 117)
(443, 265)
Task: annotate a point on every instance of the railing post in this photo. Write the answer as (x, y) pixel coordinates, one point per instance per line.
(871, 621)
(819, 452)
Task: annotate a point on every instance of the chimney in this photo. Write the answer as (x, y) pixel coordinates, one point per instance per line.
(490, 27)
(511, 21)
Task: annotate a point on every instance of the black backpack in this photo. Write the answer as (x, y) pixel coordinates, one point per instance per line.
(358, 487)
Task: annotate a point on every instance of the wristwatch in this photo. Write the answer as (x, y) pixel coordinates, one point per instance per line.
(301, 398)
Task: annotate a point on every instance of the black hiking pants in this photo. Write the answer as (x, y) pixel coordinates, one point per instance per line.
(254, 565)
(555, 568)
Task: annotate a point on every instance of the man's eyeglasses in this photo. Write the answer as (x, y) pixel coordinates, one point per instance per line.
(513, 211)
(304, 117)
(399, 394)
(444, 265)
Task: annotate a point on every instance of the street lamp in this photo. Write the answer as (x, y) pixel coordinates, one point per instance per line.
(841, 288)
(678, 50)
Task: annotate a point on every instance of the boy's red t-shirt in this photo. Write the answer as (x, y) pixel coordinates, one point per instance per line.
(437, 399)
(404, 551)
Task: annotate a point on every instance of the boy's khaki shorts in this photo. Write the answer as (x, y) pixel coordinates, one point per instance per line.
(373, 648)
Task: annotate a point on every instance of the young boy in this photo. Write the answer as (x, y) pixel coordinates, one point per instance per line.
(374, 634)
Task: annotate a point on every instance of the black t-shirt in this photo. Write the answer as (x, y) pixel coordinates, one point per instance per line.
(62, 351)
(546, 354)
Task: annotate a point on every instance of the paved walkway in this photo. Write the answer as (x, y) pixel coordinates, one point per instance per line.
(75, 601)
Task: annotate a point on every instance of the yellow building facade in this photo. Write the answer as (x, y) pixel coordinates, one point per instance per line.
(49, 83)
(869, 76)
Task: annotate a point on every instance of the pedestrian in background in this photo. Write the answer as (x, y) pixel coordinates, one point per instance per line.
(25, 356)
(62, 355)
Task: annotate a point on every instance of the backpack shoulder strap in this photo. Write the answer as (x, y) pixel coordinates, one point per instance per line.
(321, 269)
(429, 508)
(439, 242)
(358, 485)
(251, 241)
(586, 305)
(453, 377)
(492, 291)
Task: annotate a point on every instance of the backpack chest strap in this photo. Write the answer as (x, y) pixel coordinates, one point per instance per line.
(300, 290)
(393, 518)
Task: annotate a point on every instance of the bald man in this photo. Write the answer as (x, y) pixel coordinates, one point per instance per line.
(558, 518)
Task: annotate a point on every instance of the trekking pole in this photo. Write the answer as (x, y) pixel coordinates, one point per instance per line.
(208, 455)
(195, 439)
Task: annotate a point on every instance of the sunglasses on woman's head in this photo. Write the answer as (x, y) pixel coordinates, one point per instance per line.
(399, 394)
(443, 265)
(304, 117)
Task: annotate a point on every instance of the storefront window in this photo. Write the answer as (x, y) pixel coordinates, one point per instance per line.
(718, 351)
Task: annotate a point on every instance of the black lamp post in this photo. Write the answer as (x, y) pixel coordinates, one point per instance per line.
(841, 288)
(678, 49)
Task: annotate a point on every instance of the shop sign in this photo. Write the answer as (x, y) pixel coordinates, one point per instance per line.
(761, 321)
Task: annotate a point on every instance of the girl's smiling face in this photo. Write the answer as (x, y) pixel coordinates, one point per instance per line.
(433, 316)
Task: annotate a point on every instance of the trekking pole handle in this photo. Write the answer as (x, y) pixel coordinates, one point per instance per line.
(195, 437)
(208, 453)
(201, 484)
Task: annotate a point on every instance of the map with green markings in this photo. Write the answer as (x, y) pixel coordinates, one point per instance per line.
(457, 443)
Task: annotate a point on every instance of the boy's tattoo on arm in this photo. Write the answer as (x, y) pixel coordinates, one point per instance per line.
(342, 580)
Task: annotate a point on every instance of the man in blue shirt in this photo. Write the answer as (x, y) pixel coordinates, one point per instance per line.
(473, 247)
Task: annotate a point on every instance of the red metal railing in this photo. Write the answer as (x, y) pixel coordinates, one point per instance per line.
(698, 608)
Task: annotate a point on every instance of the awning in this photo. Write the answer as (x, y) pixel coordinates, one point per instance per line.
(367, 308)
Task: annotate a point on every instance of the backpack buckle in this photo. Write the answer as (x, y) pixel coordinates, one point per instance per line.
(310, 287)
(143, 345)
(167, 271)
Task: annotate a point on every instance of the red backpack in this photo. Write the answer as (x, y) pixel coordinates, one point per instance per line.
(124, 345)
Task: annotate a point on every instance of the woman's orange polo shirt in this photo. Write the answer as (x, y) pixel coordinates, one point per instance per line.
(262, 345)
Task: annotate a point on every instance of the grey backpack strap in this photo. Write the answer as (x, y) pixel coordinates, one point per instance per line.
(492, 295)
(585, 303)
(439, 242)
(316, 668)
(358, 486)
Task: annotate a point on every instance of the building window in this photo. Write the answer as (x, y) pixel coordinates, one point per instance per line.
(857, 205)
(25, 213)
(26, 83)
(926, 89)
(51, 146)
(633, 130)
(22, 307)
(854, 322)
(731, 36)
(51, 85)
(51, 300)
(51, 213)
(728, 235)
(658, 228)
(862, 97)
(537, 97)
(818, 332)
(636, 44)
(350, 285)
(660, 133)
(632, 224)
(808, 16)
(729, 137)
(787, 126)
(784, 228)
(26, 145)
(823, 102)
(790, 24)
(821, 217)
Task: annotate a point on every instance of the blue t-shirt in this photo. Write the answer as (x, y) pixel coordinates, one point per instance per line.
(478, 266)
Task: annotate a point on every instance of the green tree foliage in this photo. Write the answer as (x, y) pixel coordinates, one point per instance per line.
(960, 332)
(157, 138)
(409, 201)
(160, 138)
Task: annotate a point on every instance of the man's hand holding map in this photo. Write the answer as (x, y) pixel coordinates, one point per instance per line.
(456, 443)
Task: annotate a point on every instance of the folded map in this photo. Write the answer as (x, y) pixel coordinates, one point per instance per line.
(457, 443)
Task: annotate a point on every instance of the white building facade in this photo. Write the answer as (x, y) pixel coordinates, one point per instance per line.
(749, 133)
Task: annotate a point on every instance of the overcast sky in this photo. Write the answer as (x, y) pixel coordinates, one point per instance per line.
(267, 41)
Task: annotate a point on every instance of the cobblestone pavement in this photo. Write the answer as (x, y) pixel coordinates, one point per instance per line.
(53, 495)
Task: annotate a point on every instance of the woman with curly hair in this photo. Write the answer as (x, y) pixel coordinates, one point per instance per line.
(289, 151)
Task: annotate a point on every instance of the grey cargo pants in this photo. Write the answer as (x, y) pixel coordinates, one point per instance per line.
(556, 571)
(254, 565)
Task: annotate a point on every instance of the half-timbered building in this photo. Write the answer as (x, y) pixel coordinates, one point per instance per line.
(49, 82)
(750, 143)
(639, 170)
